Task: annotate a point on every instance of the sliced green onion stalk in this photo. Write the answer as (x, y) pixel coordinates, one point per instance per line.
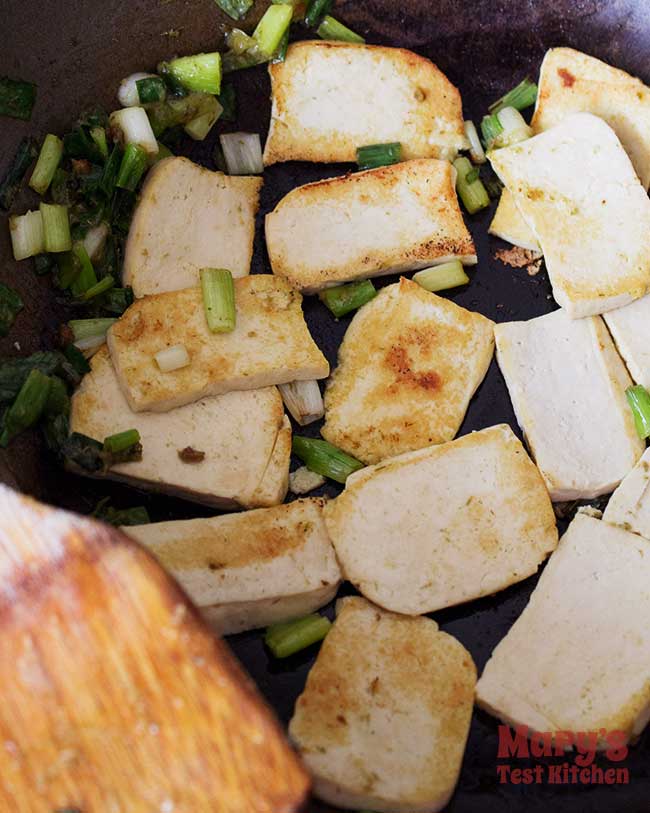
(476, 150)
(95, 240)
(76, 359)
(201, 72)
(86, 278)
(172, 358)
(111, 171)
(27, 236)
(101, 287)
(442, 277)
(133, 165)
(56, 227)
(132, 126)
(235, 9)
(90, 334)
(639, 400)
(98, 135)
(471, 192)
(117, 300)
(292, 636)
(28, 406)
(58, 400)
(127, 93)
(323, 458)
(298, 7)
(520, 97)
(271, 28)
(14, 371)
(514, 128)
(347, 298)
(331, 29)
(303, 400)
(281, 54)
(242, 152)
(138, 515)
(10, 306)
(491, 127)
(199, 127)
(316, 10)
(243, 52)
(16, 171)
(218, 299)
(151, 89)
(16, 98)
(379, 155)
(47, 164)
(121, 441)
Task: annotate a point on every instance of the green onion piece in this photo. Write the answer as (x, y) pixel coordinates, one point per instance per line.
(56, 227)
(331, 29)
(121, 441)
(379, 155)
(316, 10)
(69, 269)
(201, 72)
(514, 128)
(27, 236)
(10, 306)
(323, 458)
(16, 98)
(48, 161)
(14, 371)
(293, 636)
(117, 300)
(134, 163)
(520, 97)
(83, 452)
(476, 151)
(271, 28)
(281, 54)
(56, 429)
(151, 89)
(78, 144)
(111, 171)
(28, 406)
(58, 400)
(491, 128)
(228, 102)
(199, 127)
(77, 359)
(86, 279)
(138, 515)
(173, 85)
(101, 287)
(472, 193)
(89, 328)
(16, 171)
(442, 277)
(235, 9)
(472, 175)
(43, 264)
(218, 299)
(346, 298)
(639, 400)
(98, 135)
(242, 153)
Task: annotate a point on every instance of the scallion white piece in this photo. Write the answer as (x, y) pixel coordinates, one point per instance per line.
(304, 480)
(442, 277)
(90, 334)
(199, 127)
(514, 126)
(56, 227)
(127, 94)
(303, 400)
(476, 150)
(172, 358)
(242, 153)
(90, 345)
(132, 123)
(95, 240)
(27, 238)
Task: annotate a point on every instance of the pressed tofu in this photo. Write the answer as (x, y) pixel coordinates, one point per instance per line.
(408, 366)
(573, 82)
(329, 98)
(384, 717)
(244, 435)
(251, 569)
(443, 525)
(269, 345)
(189, 218)
(577, 190)
(630, 329)
(509, 225)
(578, 657)
(365, 224)
(567, 385)
(629, 505)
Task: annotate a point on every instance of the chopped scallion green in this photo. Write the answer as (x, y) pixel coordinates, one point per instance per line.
(86, 279)
(99, 288)
(316, 10)
(281, 54)
(201, 72)
(117, 300)
(77, 359)
(56, 227)
(28, 406)
(151, 89)
(379, 155)
(271, 28)
(48, 161)
(16, 98)
(89, 328)
(347, 298)
(121, 441)
(134, 162)
(520, 97)
(111, 171)
(323, 458)
(639, 400)
(235, 9)
(331, 29)
(292, 636)
(98, 135)
(442, 277)
(218, 299)
(490, 129)
(10, 306)
(471, 192)
(16, 171)
(58, 400)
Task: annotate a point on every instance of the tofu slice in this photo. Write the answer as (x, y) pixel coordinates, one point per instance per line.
(567, 385)
(509, 225)
(189, 218)
(630, 329)
(629, 505)
(251, 569)
(245, 436)
(270, 345)
(366, 224)
(408, 367)
(384, 717)
(328, 98)
(573, 82)
(577, 190)
(443, 525)
(578, 657)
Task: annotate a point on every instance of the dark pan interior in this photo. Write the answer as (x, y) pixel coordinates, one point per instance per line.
(78, 52)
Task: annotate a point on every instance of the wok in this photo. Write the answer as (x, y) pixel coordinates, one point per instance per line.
(78, 52)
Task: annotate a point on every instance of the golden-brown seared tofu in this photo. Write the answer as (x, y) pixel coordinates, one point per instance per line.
(189, 218)
(270, 345)
(509, 225)
(244, 436)
(116, 697)
(250, 569)
(408, 366)
(328, 98)
(443, 525)
(384, 717)
(366, 224)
